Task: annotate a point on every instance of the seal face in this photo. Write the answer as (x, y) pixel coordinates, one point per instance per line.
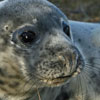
(35, 36)
(52, 59)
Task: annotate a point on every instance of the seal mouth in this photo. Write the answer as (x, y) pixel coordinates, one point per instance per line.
(61, 80)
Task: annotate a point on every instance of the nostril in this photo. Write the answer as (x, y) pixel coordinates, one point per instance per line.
(64, 60)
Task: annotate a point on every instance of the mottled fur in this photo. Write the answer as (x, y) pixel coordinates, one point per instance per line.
(25, 69)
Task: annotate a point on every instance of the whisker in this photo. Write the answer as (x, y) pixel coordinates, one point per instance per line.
(92, 68)
(38, 94)
(84, 83)
(81, 87)
(77, 85)
(86, 75)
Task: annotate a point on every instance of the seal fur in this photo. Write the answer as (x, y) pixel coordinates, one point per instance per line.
(46, 65)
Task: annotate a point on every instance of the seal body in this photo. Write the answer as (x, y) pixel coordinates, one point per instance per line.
(44, 56)
(86, 38)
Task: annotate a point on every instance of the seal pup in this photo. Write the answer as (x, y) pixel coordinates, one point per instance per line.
(44, 56)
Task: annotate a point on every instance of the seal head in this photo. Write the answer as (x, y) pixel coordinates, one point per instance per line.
(38, 36)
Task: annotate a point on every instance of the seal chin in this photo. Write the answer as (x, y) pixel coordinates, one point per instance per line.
(61, 80)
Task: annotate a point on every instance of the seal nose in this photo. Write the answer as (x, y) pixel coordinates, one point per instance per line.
(69, 62)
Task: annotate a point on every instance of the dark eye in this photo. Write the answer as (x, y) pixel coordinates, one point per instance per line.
(27, 37)
(66, 29)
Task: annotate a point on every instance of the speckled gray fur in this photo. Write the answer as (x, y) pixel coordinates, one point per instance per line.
(26, 71)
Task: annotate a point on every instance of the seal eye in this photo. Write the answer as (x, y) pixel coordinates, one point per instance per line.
(27, 37)
(66, 29)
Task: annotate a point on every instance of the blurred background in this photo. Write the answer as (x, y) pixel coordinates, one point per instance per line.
(80, 10)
